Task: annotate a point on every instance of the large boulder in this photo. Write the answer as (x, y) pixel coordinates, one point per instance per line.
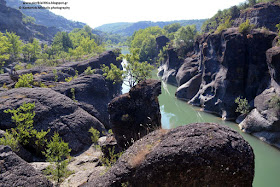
(54, 111)
(16, 172)
(204, 154)
(135, 114)
(92, 93)
(261, 15)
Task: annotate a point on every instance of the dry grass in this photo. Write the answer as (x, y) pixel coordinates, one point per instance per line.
(141, 155)
(138, 158)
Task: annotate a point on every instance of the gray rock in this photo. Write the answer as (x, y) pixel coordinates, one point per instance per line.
(200, 154)
(261, 15)
(54, 111)
(17, 172)
(188, 90)
(135, 114)
(92, 93)
(187, 71)
(264, 120)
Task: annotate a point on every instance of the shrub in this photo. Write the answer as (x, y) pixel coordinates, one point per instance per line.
(112, 158)
(227, 24)
(58, 153)
(25, 80)
(9, 140)
(69, 79)
(243, 106)
(73, 94)
(89, 71)
(274, 102)
(55, 75)
(113, 74)
(24, 131)
(95, 135)
(246, 27)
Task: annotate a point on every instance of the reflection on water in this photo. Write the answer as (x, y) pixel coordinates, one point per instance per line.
(176, 113)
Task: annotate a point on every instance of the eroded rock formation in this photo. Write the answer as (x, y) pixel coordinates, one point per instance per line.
(135, 114)
(16, 172)
(196, 154)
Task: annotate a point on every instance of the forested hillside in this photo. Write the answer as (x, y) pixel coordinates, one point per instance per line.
(127, 29)
(46, 17)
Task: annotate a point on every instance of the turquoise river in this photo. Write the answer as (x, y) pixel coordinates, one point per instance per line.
(176, 113)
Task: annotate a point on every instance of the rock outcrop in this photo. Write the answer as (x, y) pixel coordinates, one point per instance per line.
(261, 15)
(105, 58)
(92, 94)
(224, 67)
(196, 154)
(169, 68)
(264, 121)
(16, 172)
(135, 114)
(54, 111)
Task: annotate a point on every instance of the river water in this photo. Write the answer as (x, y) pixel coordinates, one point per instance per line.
(176, 113)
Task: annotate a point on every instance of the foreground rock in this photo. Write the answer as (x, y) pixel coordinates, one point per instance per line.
(192, 155)
(16, 172)
(135, 114)
(54, 111)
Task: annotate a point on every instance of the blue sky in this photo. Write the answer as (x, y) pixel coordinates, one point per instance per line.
(99, 12)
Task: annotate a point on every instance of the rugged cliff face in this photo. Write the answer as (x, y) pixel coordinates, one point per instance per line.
(262, 15)
(230, 64)
(224, 66)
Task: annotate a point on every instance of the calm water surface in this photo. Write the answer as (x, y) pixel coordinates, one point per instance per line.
(177, 113)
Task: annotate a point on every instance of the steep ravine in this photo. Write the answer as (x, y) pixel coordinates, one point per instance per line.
(176, 113)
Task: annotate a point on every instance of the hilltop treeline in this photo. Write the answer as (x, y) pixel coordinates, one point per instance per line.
(78, 44)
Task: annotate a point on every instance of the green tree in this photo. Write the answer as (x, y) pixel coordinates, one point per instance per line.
(15, 48)
(28, 19)
(58, 154)
(136, 71)
(246, 27)
(25, 80)
(62, 41)
(35, 49)
(27, 52)
(112, 73)
(4, 49)
(252, 2)
(243, 106)
(172, 27)
(185, 36)
(226, 24)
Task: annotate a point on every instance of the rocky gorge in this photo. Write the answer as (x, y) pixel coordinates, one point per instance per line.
(227, 65)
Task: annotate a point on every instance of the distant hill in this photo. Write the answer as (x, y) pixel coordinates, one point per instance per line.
(12, 20)
(46, 17)
(127, 29)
